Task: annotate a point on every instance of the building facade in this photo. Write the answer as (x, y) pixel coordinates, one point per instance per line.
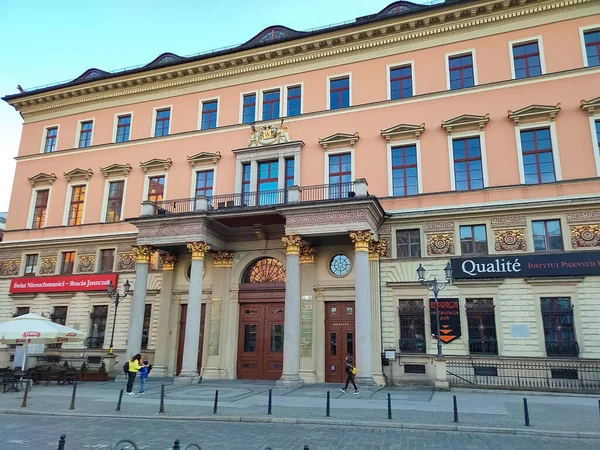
(292, 186)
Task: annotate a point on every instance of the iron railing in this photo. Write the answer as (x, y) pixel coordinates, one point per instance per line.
(412, 345)
(337, 191)
(483, 347)
(76, 362)
(549, 375)
(94, 342)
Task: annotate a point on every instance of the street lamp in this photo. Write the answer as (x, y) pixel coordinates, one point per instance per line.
(435, 286)
(116, 298)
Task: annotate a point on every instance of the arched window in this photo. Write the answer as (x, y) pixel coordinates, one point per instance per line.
(397, 10)
(273, 35)
(266, 270)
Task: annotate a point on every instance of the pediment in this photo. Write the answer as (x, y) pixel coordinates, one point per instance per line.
(116, 170)
(534, 113)
(78, 175)
(591, 106)
(42, 179)
(343, 139)
(204, 158)
(156, 164)
(403, 131)
(465, 122)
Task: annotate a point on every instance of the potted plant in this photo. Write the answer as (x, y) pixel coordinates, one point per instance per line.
(86, 375)
(102, 375)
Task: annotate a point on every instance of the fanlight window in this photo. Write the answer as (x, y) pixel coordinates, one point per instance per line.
(273, 35)
(266, 270)
(397, 10)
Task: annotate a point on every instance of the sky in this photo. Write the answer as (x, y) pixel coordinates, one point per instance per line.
(44, 42)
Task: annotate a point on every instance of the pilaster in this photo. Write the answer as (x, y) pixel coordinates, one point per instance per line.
(376, 250)
(308, 368)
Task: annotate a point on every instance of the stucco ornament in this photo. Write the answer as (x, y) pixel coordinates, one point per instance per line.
(268, 135)
(361, 240)
(307, 254)
(48, 266)
(292, 244)
(143, 253)
(378, 249)
(168, 261)
(9, 268)
(585, 236)
(126, 261)
(198, 250)
(86, 264)
(223, 259)
(510, 240)
(440, 244)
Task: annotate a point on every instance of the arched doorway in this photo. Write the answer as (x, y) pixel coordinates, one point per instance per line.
(262, 307)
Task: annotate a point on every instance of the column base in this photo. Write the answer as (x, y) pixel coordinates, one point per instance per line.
(309, 376)
(379, 379)
(289, 381)
(367, 382)
(214, 373)
(191, 377)
(159, 372)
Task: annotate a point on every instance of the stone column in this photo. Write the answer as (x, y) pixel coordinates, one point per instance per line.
(376, 250)
(161, 356)
(291, 327)
(138, 300)
(364, 330)
(189, 367)
(308, 367)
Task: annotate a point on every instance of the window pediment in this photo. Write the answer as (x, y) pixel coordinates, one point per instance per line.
(591, 106)
(42, 179)
(465, 122)
(116, 170)
(78, 175)
(156, 164)
(534, 113)
(403, 131)
(204, 157)
(342, 139)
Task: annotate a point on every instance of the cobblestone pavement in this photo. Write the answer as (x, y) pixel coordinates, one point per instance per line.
(29, 432)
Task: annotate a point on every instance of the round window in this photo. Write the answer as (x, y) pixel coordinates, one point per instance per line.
(340, 265)
(188, 271)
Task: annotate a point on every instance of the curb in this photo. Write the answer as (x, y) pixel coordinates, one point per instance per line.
(324, 422)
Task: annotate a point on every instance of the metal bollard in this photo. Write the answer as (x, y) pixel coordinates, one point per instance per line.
(62, 441)
(328, 406)
(120, 399)
(176, 445)
(161, 409)
(306, 447)
(24, 404)
(598, 406)
(72, 407)
(269, 408)
(455, 407)
(216, 401)
(526, 411)
(389, 406)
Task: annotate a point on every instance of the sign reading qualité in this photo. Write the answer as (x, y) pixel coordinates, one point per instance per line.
(449, 319)
(524, 266)
(63, 283)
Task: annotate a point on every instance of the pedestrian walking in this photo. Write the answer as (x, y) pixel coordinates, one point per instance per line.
(133, 366)
(144, 371)
(351, 371)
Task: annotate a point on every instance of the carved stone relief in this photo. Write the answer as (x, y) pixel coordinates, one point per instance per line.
(509, 221)
(439, 226)
(510, 241)
(126, 261)
(585, 236)
(10, 268)
(86, 264)
(440, 244)
(48, 266)
(583, 216)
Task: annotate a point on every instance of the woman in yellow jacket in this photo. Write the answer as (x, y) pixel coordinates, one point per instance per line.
(135, 364)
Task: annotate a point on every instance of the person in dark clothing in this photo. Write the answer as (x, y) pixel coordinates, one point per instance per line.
(134, 367)
(350, 371)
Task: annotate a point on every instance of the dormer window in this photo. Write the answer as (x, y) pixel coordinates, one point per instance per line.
(273, 35)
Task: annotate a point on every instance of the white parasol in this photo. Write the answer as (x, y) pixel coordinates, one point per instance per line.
(34, 329)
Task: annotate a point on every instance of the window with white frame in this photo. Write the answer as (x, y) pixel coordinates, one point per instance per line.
(156, 188)
(405, 178)
(271, 103)
(31, 264)
(537, 155)
(340, 174)
(162, 123)
(591, 42)
(209, 114)
(85, 133)
(249, 108)
(294, 101)
(114, 204)
(50, 141)
(204, 183)
(468, 164)
(76, 205)
(527, 59)
(461, 71)
(547, 235)
(401, 82)
(40, 208)
(123, 128)
(339, 92)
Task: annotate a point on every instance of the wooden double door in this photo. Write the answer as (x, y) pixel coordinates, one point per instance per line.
(339, 339)
(260, 343)
(182, 322)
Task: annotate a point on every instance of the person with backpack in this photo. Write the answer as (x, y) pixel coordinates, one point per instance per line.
(350, 371)
(144, 371)
(131, 368)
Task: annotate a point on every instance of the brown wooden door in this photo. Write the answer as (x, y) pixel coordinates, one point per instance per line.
(260, 343)
(339, 339)
(182, 322)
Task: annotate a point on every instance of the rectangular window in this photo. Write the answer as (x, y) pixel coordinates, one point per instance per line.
(461, 71)
(22, 310)
(163, 122)
(339, 93)
(156, 189)
(340, 175)
(246, 170)
(473, 240)
(271, 105)
(204, 183)
(31, 262)
(67, 263)
(405, 180)
(468, 167)
(527, 61)
(107, 260)
(401, 85)
(294, 101)
(76, 205)
(289, 172)
(482, 326)
(268, 181)
(85, 134)
(40, 208)
(412, 326)
(115, 201)
(597, 123)
(59, 316)
(538, 161)
(146, 327)
(547, 236)
(592, 47)
(559, 326)
(123, 128)
(249, 108)
(51, 136)
(408, 244)
(209, 114)
(97, 326)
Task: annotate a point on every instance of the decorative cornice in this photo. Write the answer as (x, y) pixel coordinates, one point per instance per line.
(204, 157)
(116, 170)
(292, 244)
(403, 131)
(42, 179)
(78, 175)
(339, 139)
(465, 122)
(534, 113)
(591, 106)
(156, 164)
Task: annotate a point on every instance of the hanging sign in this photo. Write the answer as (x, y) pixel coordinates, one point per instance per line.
(449, 319)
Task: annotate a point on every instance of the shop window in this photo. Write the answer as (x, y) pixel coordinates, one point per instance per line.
(526, 59)
(538, 160)
(67, 263)
(468, 166)
(107, 260)
(163, 122)
(294, 101)
(76, 205)
(115, 201)
(146, 327)
(401, 84)
(59, 316)
(31, 263)
(408, 244)
(51, 136)
(461, 71)
(85, 134)
(473, 240)
(21, 311)
(547, 236)
(482, 326)
(41, 206)
(339, 93)
(412, 326)
(209, 114)
(405, 179)
(249, 108)
(271, 103)
(559, 327)
(97, 326)
(123, 128)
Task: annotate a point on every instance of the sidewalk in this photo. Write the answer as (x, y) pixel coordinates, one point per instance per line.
(484, 411)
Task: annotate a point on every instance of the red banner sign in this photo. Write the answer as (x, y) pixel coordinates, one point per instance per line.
(63, 283)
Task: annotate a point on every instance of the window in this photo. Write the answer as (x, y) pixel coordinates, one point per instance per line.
(156, 188)
(268, 182)
(204, 183)
(468, 168)
(115, 201)
(340, 175)
(146, 327)
(482, 326)
(246, 171)
(592, 47)
(97, 326)
(412, 326)
(538, 161)
(559, 327)
(401, 84)
(67, 263)
(340, 265)
(107, 260)
(526, 59)
(76, 206)
(408, 244)
(597, 124)
(209, 114)
(271, 105)
(547, 236)
(473, 240)
(85, 134)
(249, 108)
(405, 180)
(21, 311)
(289, 172)
(123, 128)
(163, 122)
(51, 136)
(461, 72)
(31, 262)
(59, 316)
(339, 93)
(294, 101)
(40, 208)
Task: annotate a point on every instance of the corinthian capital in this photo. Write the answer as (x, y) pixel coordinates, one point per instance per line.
(361, 240)
(168, 261)
(143, 253)
(378, 249)
(292, 244)
(198, 250)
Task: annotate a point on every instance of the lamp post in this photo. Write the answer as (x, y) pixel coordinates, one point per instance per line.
(116, 298)
(435, 286)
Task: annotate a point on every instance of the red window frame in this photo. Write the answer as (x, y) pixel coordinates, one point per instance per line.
(107, 260)
(270, 165)
(547, 236)
(123, 128)
(51, 136)
(339, 92)
(249, 102)
(159, 189)
(41, 207)
(537, 152)
(592, 44)
(404, 167)
(67, 263)
(526, 57)
(401, 80)
(85, 134)
(271, 105)
(289, 172)
(461, 70)
(115, 201)
(31, 264)
(472, 240)
(469, 160)
(162, 123)
(293, 97)
(76, 205)
(337, 159)
(209, 114)
(246, 173)
(207, 188)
